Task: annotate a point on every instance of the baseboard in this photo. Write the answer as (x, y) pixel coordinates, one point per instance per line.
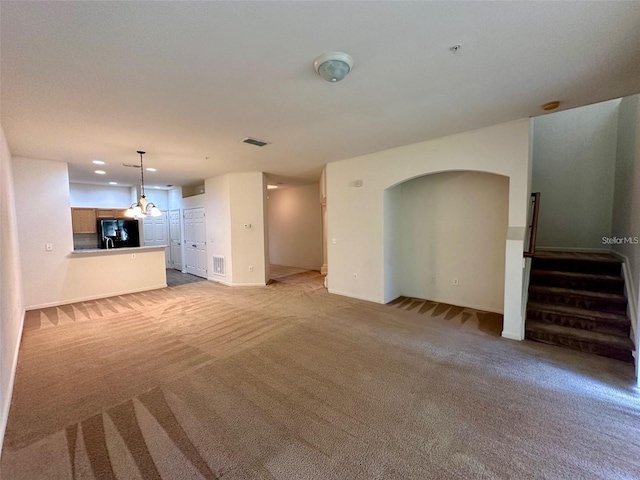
(632, 301)
(525, 286)
(4, 416)
(512, 336)
(350, 295)
(229, 284)
(573, 249)
(473, 307)
(95, 297)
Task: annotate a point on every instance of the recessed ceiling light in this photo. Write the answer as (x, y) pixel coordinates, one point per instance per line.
(551, 105)
(100, 172)
(113, 183)
(157, 187)
(272, 187)
(98, 162)
(151, 169)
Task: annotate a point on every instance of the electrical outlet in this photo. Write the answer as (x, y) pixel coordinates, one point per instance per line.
(355, 276)
(133, 255)
(251, 269)
(433, 279)
(48, 247)
(455, 281)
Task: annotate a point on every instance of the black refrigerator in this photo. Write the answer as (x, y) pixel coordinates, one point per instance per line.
(118, 233)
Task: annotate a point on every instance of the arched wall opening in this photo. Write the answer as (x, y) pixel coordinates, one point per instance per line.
(443, 227)
(356, 189)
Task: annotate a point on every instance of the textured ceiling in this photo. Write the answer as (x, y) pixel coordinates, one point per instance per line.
(188, 80)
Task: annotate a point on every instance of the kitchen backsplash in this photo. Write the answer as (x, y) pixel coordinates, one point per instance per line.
(85, 240)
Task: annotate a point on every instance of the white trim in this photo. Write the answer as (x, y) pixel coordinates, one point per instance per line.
(473, 307)
(526, 280)
(512, 336)
(632, 303)
(229, 284)
(350, 295)
(4, 416)
(573, 249)
(95, 297)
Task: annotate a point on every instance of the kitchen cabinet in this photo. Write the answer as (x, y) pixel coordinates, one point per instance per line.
(110, 212)
(83, 220)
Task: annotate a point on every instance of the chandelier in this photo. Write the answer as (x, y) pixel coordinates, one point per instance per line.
(143, 207)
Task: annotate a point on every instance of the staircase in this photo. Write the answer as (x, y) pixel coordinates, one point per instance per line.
(576, 300)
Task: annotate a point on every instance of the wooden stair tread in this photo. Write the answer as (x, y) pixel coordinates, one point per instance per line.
(579, 312)
(614, 297)
(578, 275)
(577, 256)
(581, 335)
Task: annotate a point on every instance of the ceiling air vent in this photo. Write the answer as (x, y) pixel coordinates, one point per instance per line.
(254, 141)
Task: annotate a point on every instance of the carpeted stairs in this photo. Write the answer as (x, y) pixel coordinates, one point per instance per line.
(576, 300)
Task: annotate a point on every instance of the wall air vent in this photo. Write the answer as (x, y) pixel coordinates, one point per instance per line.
(219, 265)
(254, 141)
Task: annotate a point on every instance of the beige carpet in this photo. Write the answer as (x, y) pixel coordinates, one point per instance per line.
(202, 381)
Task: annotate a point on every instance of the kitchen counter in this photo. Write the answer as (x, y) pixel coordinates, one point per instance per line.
(93, 251)
(96, 273)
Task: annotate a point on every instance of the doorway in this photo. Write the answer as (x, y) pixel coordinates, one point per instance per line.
(195, 242)
(175, 244)
(444, 239)
(155, 230)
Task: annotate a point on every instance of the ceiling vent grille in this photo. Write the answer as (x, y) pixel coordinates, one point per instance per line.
(254, 141)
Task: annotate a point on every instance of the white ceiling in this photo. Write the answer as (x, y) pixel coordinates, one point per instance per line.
(188, 80)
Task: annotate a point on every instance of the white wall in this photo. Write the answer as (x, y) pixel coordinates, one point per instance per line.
(218, 224)
(174, 198)
(453, 225)
(356, 214)
(248, 204)
(574, 154)
(101, 196)
(11, 298)
(393, 242)
(58, 277)
(295, 227)
(626, 211)
(231, 201)
(43, 183)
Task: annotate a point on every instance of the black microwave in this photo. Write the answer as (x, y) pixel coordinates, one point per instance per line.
(118, 233)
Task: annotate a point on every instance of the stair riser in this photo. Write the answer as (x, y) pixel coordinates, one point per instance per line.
(580, 302)
(581, 284)
(605, 351)
(621, 329)
(578, 266)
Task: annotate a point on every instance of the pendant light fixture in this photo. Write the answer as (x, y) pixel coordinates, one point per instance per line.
(143, 207)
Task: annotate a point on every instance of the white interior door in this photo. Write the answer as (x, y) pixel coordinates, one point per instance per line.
(175, 245)
(194, 242)
(155, 231)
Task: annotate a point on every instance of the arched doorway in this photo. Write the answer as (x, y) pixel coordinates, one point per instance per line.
(445, 238)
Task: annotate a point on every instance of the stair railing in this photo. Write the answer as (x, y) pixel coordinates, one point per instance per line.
(534, 208)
